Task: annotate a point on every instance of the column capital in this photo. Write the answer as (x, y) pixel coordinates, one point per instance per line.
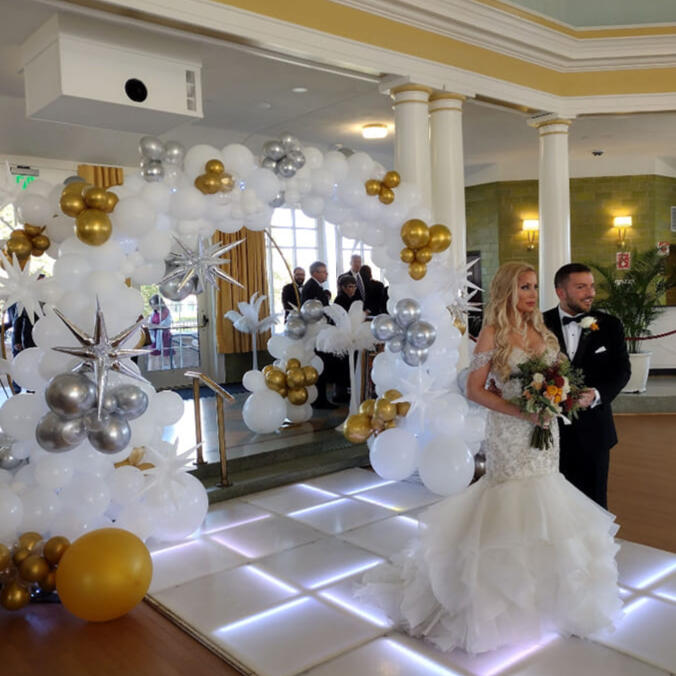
(446, 101)
(541, 121)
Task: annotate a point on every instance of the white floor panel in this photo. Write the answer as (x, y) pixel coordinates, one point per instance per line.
(291, 498)
(385, 537)
(666, 589)
(641, 566)
(341, 515)
(319, 563)
(293, 637)
(230, 514)
(349, 481)
(400, 497)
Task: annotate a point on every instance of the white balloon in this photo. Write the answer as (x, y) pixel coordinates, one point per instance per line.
(126, 483)
(196, 159)
(265, 183)
(238, 160)
(253, 381)
(312, 394)
(40, 508)
(318, 363)
(393, 454)
(86, 492)
(70, 269)
(131, 217)
(148, 273)
(157, 196)
(33, 209)
(336, 164)
(360, 166)
(313, 157)
(298, 414)
(60, 228)
(475, 428)
(156, 245)
(137, 518)
(25, 369)
(278, 344)
(188, 203)
(264, 411)
(54, 470)
(446, 465)
(166, 408)
(20, 414)
(11, 509)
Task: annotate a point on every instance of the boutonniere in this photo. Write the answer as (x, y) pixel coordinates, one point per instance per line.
(589, 323)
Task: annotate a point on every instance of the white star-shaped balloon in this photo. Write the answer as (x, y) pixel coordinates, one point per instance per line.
(203, 263)
(167, 465)
(21, 287)
(102, 353)
(418, 391)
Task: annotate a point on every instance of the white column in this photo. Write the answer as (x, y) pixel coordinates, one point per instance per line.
(554, 203)
(448, 179)
(412, 136)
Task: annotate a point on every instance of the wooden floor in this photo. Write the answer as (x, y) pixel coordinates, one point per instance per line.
(46, 639)
(642, 477)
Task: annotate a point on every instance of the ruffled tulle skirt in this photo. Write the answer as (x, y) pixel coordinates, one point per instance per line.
(502, 563)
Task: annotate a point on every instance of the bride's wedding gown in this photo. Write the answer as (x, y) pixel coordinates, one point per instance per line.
(518, 554)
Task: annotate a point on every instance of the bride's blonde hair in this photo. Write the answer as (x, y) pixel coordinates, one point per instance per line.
(502, 315)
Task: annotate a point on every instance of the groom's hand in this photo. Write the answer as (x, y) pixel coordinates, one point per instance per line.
(587, 398)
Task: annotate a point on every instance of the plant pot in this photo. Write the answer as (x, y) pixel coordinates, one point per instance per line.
(640, 367)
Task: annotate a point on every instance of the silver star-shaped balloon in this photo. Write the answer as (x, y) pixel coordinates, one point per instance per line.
(203, 263)
(102, 353)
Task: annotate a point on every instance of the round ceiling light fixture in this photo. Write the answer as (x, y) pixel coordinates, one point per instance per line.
(371, 131)
(299, 90)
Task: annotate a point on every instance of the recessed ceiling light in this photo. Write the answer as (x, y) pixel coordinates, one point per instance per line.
(264, 105)
(299, 90)
(374, 131)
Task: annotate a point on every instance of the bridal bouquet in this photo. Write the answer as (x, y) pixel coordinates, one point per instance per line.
(550, 390)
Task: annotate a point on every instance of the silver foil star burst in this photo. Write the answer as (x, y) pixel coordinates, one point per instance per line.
(203, 263)
(100, 352)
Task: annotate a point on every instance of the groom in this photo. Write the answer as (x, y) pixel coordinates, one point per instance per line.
(594, 342)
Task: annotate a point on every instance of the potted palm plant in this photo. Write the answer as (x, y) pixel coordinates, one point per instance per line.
(636, 298)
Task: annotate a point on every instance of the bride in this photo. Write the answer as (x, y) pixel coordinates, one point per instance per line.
(521, 552)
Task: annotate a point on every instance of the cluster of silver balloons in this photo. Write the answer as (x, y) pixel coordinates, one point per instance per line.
(156, 154)
(311, 311)
(283, 156)
(405, 332)
(73, 414)
(171, 288)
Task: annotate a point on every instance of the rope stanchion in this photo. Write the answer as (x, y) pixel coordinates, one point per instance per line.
(655, 337)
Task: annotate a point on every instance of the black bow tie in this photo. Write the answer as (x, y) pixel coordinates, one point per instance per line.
(567, 320)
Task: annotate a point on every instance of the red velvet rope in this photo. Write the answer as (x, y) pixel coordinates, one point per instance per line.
(659, 335)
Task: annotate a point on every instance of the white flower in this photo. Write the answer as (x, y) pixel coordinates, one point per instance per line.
(538, 378)
(587, 322)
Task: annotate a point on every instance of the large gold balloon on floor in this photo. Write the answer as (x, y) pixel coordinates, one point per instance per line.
(440, 238)
(415, 233)
(104, 574)
(93, 227)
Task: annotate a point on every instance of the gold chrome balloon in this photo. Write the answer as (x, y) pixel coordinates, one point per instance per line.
(392, 395)
(440, 238)
(5, 556)
(96, 198)
(48, 582)
(20, 555)
(372, 186)
(423, 255)
(227, 183)
(417, 270)
(54, 549)
(211, 183)
(292, 364)
(295, 378)
(29, 539)
(407, 255)
(71, 205)
(33, 568)
(357, 428)
(275, 379)
(297, 396)
(21, 248)
(40, 242)
(403, 408)
(111, 201)
(32, 230)
(385, 409)
(386, 195)
(415, 233)
(311, 375)
(13, 596)
(214, 167)
(391, 179)
(93, 227)
(366, 407)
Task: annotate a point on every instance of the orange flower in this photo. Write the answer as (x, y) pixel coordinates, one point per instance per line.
(552, 390)
(594, 327)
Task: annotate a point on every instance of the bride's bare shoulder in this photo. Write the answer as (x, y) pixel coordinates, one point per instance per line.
(486, 340)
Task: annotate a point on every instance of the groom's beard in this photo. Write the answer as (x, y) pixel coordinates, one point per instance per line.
(579, 307)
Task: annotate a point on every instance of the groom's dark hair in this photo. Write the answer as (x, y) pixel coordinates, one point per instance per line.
(562, 274)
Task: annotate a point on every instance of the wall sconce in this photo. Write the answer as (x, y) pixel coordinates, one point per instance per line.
(622, 223)
(531, 226)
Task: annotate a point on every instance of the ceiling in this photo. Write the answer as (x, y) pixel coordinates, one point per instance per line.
(248, 99)
(597, 13)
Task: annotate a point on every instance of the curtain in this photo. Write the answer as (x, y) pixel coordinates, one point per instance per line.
(248, 266)
(101, 177)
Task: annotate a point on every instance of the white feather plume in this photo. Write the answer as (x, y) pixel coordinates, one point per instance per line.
(349, 332)
(246, 320)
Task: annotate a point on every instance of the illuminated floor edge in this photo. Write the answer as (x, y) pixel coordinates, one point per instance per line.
(267, 585)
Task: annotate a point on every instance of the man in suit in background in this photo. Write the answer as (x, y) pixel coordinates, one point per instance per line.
(375, 300)
(314, 288)
(289, 297)
(594, 342)
(354, 272)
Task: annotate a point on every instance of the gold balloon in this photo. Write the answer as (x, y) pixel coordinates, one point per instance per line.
(71, 205)
(5, 556)
(392, 395)
(48, 582)
(29, 539)
(295, 378)
(54, 549)
(297, 396)
(460, 325)
(104, 574)
(267, 369)
(214, 167)
(357, 428)
(19, 235)
(37, 252)
(292, 364)
(21, 248)
(283, 391)
(20, 555)
(40, 242)
(311, 375)
(372, 186)
(415, 233)
(199, 184)
(96, 198)
(33, 568)
(417, 270)
(390, 424)
(93, 227)
(386, 195)
(385, 409)
(403, 408)
(423, 255)
(275, 379)
(77, 188)
(211, 183)
(111, 201)
(407, 255)
(366, 407)
(392, 179)
(32, 230)
(14, 597)
(440, 238)
(377, 424)
(227, 182)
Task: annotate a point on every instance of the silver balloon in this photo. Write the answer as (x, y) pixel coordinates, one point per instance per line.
(286, 168)
(395, 344)
(274, 150)
(56, 434)
(421, 334)
(479, 466)
(312, 310)
(109, 404)
(414, 356)
(278, 200)
(70, 395)
(269, 163)
(174, 152)
(111, 437)
(73, 179)
(131, 401)
(152, 171)
(7, 458)
(289, 142)
(92, 421)
(407, 311)
(297, 157)
(383, 327)
(294, 328)
(293, 314)
(151, 147)
(170, 290)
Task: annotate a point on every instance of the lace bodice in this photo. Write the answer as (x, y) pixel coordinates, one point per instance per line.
(507, 447)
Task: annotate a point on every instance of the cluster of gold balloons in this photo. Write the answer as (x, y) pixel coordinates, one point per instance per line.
(421, 242)
(89, 206)
(27, 241)
(375, 415)
(214, 179)
(31, 563)
(385, 188)
(293, 383)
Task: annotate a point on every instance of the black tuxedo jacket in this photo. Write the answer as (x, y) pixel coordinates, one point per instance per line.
(376, 297)
(289, 296)
(602, 356)
(313, 289)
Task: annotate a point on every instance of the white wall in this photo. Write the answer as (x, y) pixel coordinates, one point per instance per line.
(663, 349)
